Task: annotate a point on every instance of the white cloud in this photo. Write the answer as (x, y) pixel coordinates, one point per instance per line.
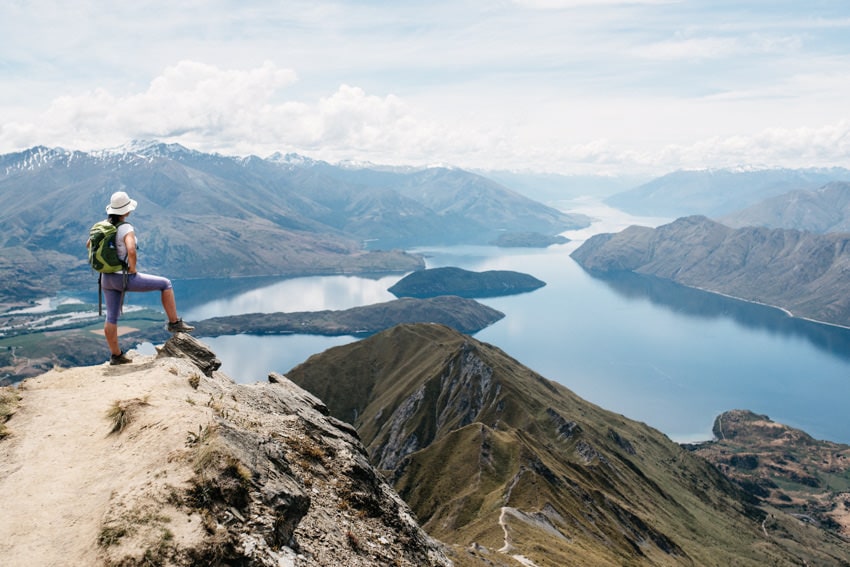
(188, 99)
(237, 111)
(248, 111)
(558, 85)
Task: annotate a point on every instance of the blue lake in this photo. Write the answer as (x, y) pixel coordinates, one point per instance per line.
(653, 351)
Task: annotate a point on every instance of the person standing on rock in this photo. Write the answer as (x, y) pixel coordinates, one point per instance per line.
(116, 284)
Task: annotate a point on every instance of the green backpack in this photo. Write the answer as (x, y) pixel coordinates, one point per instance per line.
(103, 256)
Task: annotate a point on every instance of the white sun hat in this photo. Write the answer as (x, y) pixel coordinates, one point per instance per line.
(120, 204)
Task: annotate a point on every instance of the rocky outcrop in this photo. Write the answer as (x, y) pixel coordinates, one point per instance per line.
(803, 273)
(159, 462)
(182, 345)
(783, 466)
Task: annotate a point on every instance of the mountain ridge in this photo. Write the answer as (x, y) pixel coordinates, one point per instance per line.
(207, 215)
(800, 272)
(528, 469)
(826, 209)
(717, 192)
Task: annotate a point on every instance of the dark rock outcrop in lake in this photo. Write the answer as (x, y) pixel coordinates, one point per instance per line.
(823, 210)
(465, 315)
(804, 273)
(464, 283)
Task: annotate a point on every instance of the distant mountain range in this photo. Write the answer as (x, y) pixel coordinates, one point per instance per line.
(801, 272)
(715, 193)
(550, 187)
(495, 459)
(205, 215)
(822, 210)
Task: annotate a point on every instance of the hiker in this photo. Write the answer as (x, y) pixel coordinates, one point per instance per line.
(115, 284)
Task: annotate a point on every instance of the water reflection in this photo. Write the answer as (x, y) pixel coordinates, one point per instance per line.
(697, 303)
(250, 358)
(300, 294)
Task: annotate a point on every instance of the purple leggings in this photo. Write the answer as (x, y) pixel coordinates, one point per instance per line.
(113, 286)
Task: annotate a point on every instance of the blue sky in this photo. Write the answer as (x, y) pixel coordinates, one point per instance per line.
(567, 86)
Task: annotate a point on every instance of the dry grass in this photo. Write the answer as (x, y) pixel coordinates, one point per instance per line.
(9, 398)
(353, 541)
(307, 448)
(121, 413)
(146, 528)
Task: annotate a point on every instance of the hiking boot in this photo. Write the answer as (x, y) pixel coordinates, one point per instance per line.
(122, 358)
(179, 326)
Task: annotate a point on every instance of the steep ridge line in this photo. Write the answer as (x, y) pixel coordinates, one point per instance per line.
(617, 491)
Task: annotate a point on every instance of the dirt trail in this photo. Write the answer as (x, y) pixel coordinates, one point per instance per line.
(61, 469)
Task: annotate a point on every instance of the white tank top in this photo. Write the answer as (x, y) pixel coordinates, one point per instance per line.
(120, 246)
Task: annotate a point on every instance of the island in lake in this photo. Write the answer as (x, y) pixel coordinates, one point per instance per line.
(465, 315)
(464, 283)
(528, 240)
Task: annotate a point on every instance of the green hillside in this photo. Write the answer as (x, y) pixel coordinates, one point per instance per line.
(509, 466)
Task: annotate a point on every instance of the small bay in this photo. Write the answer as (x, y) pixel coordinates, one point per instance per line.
(651, 350)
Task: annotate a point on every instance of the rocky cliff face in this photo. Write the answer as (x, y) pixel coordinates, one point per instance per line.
(801, 272)
(164, 462)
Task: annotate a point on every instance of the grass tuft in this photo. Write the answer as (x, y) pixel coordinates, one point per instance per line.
(353, 540)
(121, 413)
(111, 535)
(9, 398)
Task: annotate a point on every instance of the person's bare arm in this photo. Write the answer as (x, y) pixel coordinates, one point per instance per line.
(130, 242)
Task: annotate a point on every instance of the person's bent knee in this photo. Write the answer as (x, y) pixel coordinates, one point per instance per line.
(147, 282)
